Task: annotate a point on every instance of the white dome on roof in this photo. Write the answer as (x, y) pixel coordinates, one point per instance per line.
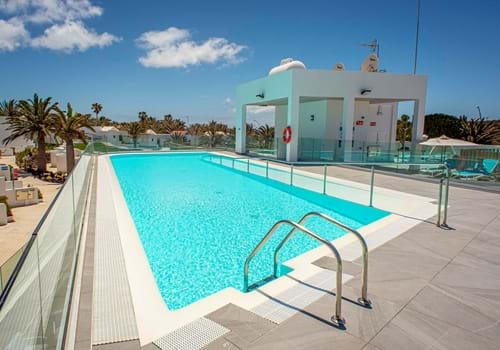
(286, 64)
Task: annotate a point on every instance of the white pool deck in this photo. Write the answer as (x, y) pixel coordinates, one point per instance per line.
(154, 320)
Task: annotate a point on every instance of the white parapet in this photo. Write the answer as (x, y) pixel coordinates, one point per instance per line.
(3, 214)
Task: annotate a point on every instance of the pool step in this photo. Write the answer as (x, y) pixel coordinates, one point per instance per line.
(286, 304)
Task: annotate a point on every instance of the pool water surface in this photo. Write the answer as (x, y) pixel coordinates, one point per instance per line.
(198, 221)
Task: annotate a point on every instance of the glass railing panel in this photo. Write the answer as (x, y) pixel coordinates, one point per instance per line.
(57, 242)
(21, 316)
(34, 312)
(8, 267)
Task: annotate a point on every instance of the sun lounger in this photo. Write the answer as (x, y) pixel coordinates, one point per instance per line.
(485, 168)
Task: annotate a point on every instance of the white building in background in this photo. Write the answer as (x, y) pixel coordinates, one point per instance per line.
(108, 134)
(149, 139)
(348, 110)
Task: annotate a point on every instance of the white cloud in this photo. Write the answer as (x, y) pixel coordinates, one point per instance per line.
(12, 34)
(11, 6)
(229, 104)
(45, 11)
(173, 48)
(63, 21)
(263, 111)
(260, 109)
(70, 36)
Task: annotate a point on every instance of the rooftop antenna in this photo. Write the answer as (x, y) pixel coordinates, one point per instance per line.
(416, 39)
(374, 45)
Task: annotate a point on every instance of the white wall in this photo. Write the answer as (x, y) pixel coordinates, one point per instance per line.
(334, 120)
(315, 128)
(148, 140)
(328, 119)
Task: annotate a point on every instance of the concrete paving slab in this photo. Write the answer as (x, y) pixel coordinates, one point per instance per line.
(245, 326)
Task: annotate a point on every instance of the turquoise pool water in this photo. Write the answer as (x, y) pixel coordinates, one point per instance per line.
(198, 221)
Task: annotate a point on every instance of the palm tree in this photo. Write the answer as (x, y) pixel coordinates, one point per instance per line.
(266, 133)
(34, 121)
(135, 129)
(9, 108)
(170, 124)
(480, 130)
(196, 130)
(213, 130)
(69, 126)
(97, 108)
(143, 117)
(103, 121)
(403, 131)
(250, 129)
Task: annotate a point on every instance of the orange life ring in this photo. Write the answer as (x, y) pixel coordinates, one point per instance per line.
(287, 135)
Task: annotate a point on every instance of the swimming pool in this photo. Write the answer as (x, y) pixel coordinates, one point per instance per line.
(198, 221)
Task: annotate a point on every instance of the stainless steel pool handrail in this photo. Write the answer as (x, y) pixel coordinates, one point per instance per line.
(363, 300)
(336, 319)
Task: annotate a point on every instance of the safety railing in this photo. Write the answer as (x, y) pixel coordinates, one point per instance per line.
(288, 172)
(8, 267)
(363, 300)
(336, 319)
(35, 301)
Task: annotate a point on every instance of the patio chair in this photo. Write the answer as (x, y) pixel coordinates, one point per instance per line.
(480, 170)
(439, 170)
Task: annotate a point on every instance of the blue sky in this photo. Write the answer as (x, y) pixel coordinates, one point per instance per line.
(161, 56)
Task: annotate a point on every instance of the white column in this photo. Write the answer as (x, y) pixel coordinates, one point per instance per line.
(347, 125)
(280, 122)
(418, 121)
(241, 128)
(394, 128)
(292, 149)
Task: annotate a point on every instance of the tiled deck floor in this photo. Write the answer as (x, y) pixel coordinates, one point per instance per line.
(431, 288)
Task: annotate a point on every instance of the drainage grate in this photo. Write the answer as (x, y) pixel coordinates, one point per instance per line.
(113, 314)
(192, 336)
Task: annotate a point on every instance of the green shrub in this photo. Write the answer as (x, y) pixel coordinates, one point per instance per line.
(21, 155)
(80, 146)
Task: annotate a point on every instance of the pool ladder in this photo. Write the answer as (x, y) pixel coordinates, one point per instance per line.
(336, 319)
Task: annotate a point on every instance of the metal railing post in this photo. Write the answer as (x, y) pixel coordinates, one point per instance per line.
(220, 160)
(325, 170)
(233, 163)
(267, 169)
(446, 192)
(291, 175)
(440, 199)
(371, 185)
(248, 165)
